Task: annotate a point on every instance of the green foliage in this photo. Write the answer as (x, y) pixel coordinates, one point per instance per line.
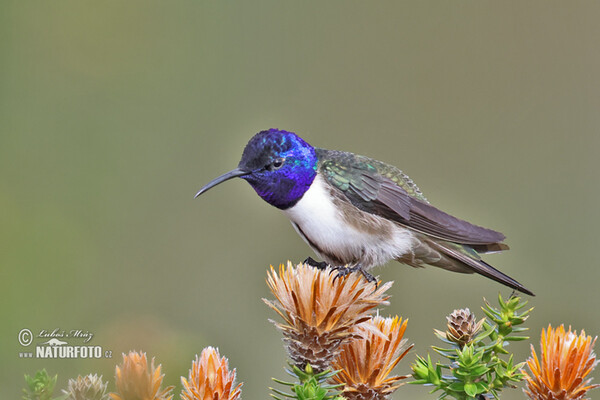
(479, 367)
(311, 386)
(40, 386)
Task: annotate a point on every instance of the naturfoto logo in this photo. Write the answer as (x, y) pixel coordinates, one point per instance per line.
(61, 344)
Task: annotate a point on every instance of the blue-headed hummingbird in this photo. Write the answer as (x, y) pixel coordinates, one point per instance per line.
(357, 213)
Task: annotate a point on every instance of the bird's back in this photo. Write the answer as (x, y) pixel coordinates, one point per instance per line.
(344, 168)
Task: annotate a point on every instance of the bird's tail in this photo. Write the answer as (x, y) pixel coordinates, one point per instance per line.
(470, 262)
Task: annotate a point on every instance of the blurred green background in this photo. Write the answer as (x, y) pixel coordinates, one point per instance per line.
(113, 114)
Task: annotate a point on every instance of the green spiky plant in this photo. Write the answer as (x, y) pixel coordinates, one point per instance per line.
(311, 386)
(40, 386)
(476, 353)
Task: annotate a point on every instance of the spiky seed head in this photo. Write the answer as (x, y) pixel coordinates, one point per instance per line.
(210, 378)
(89, 387)
(565, 362)
(135, 381)
(319, 310)
(366, 363)
(462, 327)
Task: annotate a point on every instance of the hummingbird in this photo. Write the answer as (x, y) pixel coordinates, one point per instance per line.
(357, 213)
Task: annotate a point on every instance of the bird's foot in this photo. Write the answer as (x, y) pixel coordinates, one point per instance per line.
(343, 271)
(319, 265)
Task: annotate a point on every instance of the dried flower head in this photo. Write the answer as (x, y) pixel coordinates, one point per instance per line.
(320, 309)
(210, 378)
(566, 360)
(89, 387)
(135, 381)
(462, 327)
(366, 363)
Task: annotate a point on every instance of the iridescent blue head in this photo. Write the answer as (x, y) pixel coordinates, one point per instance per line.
(278, 164)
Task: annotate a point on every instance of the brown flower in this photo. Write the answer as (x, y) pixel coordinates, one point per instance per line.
(135, 381)
(366, 363)
(319, 310)
(566, 360)
(210, 378)
(461, 328)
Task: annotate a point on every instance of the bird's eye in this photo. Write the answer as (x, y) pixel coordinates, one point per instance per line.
(278, 163)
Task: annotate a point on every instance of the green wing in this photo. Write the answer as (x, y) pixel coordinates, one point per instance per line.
(384, 190)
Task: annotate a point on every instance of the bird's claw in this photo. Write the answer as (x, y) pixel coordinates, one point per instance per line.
(341, 272)
(319, 265)
(344, 271)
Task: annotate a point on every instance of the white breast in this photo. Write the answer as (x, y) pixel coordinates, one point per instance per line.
(329, 230)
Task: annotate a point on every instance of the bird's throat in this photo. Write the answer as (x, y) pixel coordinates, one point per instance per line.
(282, 191)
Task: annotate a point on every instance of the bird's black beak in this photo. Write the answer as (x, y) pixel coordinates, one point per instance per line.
(231, 174)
